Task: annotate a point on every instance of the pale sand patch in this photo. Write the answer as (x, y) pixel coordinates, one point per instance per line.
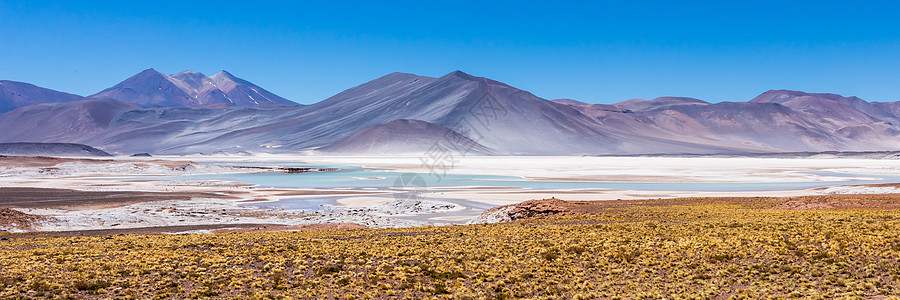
(859, 189)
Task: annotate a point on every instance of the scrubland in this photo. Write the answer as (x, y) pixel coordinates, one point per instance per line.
(680, 249)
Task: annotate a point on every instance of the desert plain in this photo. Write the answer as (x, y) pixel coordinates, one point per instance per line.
(121, 193)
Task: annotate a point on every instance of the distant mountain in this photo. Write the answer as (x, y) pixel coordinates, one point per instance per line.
(496, 115)
(19, 94)
(831, 107)
(189, 89)
(408, 114)
(49, 149)
(775, 121)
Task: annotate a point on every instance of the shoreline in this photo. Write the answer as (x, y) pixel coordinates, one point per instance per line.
(189, 202)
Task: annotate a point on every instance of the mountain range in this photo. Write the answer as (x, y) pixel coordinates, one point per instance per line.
(456, 114)
(151, 88)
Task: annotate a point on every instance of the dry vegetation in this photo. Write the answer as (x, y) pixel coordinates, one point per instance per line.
(687, 248)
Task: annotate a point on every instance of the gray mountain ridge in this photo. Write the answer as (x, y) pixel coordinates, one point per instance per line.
(406, 113)
(151, 88)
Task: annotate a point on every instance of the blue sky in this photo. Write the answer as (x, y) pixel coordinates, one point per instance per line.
(593, 51)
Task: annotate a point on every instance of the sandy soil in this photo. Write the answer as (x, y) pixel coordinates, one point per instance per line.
(84, 200)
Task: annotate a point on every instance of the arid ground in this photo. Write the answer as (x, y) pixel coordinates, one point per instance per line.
(720, 248)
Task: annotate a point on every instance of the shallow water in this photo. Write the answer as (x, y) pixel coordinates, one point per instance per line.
(357, 178)
(353, 177)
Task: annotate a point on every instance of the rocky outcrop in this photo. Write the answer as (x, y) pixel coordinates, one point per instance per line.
(524, 210)
(16, 221)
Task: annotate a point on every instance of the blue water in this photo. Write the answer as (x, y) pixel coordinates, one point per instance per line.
(378, 179)
(354, 177)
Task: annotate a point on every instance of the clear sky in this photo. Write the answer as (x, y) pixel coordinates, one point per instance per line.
(593, 51)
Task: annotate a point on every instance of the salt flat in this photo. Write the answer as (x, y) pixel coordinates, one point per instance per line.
(693, 171)
(373, 201)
